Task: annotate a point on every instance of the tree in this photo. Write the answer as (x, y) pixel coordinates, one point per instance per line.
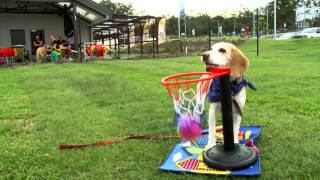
(200, 24)
(315, 5)
(286, 14)
(221, 21)
(172, 25)
(245, 19)
(118, 8)
(316, 21)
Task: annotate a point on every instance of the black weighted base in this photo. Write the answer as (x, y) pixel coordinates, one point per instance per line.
(218, 157)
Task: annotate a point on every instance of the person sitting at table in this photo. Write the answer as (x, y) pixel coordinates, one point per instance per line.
(54, 42)
(63, 48)
(61, 42)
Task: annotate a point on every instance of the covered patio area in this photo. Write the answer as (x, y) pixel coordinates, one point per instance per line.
(127, 31)
(22, 20)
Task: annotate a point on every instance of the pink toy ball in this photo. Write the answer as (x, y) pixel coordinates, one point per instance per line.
(1, 61)
(189, 128)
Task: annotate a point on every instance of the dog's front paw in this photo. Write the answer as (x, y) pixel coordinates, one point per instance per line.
(236, 139)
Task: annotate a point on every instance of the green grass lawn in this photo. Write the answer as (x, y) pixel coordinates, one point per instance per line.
(42, 106)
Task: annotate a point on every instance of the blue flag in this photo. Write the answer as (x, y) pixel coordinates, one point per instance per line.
(182, 8)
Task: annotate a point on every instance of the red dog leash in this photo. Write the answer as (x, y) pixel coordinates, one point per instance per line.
(102, 143)
(136, 137)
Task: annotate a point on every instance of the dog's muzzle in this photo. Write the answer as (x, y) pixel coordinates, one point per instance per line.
(209, 66)
(205, 58)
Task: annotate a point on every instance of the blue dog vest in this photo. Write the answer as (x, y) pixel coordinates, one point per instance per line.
(214, 91)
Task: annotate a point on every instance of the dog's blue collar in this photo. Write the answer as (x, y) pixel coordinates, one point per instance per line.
(236, 87)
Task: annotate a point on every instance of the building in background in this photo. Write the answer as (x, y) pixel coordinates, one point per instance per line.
(22, 20)
(305, 16)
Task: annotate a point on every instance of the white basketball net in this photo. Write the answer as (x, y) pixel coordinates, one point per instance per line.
(187, 104)
(189, 99)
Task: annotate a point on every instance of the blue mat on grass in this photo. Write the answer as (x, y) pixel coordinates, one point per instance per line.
(187, 158)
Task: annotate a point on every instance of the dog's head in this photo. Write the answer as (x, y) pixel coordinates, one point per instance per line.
(46, 46)
(227, 55)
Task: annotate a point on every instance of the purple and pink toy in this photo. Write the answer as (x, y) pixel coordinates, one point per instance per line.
(189, 128)
(1, 61)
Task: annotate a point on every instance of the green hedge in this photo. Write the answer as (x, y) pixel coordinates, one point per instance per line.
(177, 46)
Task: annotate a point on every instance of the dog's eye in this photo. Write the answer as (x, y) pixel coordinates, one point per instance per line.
(222, 50)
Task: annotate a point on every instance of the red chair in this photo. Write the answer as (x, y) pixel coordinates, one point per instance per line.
(89, 51)
(100, 50)
(8, 54)
(5, 54)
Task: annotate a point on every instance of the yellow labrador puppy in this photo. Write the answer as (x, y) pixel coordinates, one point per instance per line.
(41, 53)
(227, 55)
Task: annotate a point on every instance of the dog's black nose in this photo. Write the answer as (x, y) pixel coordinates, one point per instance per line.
(222, 50)
(205, 57)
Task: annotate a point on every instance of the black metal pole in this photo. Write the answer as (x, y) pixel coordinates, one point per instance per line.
(80, 49)
(226, 108)
(75, 30)
(115, 42)
(90, 33)
(228, 155)
(141, 38)
(257, 31)
(153, 39)
(118, 38)
(101, 37)
(128, 39)
(209, 34)
(109, 38)
(157, 35)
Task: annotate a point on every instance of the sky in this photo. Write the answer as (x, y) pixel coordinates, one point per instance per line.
(192, 7)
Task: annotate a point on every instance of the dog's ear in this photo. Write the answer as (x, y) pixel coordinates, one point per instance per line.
(239, 62)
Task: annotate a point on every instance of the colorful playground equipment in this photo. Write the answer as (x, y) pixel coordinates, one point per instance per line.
(94, 50)
(188, 92)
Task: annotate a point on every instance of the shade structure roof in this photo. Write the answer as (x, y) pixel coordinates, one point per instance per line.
(120, 20)
(86, 9)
